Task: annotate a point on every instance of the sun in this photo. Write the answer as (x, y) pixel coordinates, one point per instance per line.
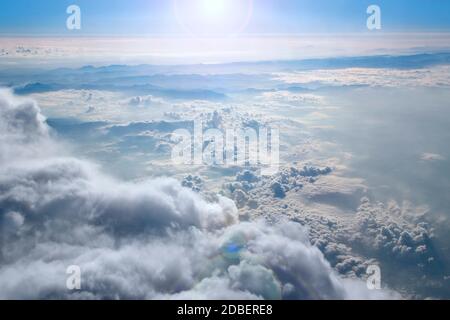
(213, 17)
(214, 8)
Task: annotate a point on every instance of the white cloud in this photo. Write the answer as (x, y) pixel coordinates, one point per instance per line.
(99, 105)
(352, 233)
(152, 239)
(179, 50)
(426, 77)
(432, 157)
(293, 98)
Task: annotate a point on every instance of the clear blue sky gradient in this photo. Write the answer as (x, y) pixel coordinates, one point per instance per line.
(125, 17)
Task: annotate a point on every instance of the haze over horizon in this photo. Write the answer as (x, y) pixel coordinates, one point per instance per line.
(136, 138)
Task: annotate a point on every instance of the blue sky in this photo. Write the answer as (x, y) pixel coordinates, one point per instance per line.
(124, 17)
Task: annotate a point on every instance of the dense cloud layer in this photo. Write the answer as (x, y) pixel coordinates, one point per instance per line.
(355, 232)
(152, 239)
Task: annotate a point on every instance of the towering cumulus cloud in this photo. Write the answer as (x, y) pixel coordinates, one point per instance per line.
(149, 240)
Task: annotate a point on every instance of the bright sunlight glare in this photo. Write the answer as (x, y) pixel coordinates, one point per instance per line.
(213, 17)
(214, 8)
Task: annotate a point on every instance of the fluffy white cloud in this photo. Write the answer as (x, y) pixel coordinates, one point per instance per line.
(152, 239)
(431, 157)
(428, 77)
(350, 231)
(99, 105)
(303, 99)
(167, 50)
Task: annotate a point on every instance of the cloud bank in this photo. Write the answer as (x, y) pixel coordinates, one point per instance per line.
(143, 240)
